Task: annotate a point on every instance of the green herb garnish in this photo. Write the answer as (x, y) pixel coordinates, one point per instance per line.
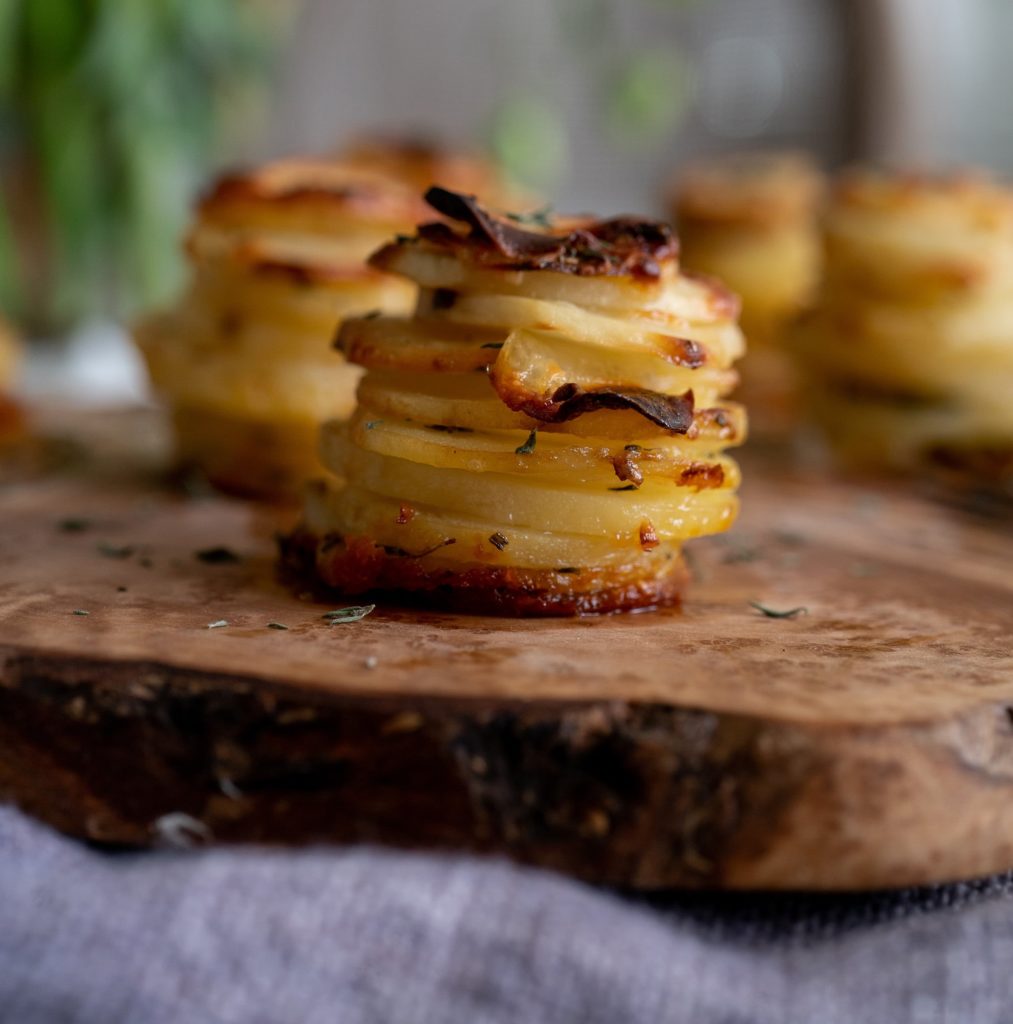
(497, 540)
(355, 613)
(80, 611)
(536, 218)
(216, 556)
(74, 525)
(492, 344)
(529, 445)
(114, 551)
(740, 555)
(773, 613)
(396, 552)
(276, 625)
(370, 424)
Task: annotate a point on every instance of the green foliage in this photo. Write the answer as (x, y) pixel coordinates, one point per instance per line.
(111, 109)
(529, 140)
(648, 96)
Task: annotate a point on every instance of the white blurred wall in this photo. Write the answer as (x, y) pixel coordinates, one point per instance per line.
(761, 70)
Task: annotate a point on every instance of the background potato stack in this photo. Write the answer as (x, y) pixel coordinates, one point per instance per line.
(10, 352)
(909, 350)
(245, 359)
(751, 220)
(545, 431)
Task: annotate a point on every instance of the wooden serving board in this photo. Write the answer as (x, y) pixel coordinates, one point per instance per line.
(867, 743)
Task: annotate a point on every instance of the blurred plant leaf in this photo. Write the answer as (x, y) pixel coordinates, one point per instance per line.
(529, 139)
(116, 107)
(649, 96)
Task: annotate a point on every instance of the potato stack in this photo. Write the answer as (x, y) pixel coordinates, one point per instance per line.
(545, 431)
(909, 351)
(751, 220)
(245, 359)
(10, 417)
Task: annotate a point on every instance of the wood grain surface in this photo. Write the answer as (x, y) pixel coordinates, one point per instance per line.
(865, 743)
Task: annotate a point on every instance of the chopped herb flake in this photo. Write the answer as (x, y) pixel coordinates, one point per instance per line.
(276, 625)
(627, 487)
(74, 525)
(773, 613)
(114, 551)
(217, 556)
(80, 611)
(370, 424)
(355, 613)
(741, 554)
(529, 445)
(497, 540)
(218, 624)
(396, 552)
(541, 218)
(492, 344)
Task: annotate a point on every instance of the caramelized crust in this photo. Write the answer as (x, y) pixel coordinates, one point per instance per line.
(622, 246)
(358, 566)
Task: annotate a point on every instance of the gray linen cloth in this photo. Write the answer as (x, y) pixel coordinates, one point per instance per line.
(368, 936)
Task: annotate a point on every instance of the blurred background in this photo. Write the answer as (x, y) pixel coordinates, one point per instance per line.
(114, 113)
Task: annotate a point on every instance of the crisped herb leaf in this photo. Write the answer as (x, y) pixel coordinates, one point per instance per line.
(74, 525)
(539, 218)
(370, 424)
(276, 625)
(497, 540)
(773, 613)
(108, 550)
(492, 344)
(529, 445)
(218, 624)
(396, 552)
(217, 556)
(354, 613)
(80, 611)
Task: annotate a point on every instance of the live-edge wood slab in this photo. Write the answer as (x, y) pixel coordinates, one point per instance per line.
(866, 743)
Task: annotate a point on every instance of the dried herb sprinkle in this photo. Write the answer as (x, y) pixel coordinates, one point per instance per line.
(529, 445)
(773, 613)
